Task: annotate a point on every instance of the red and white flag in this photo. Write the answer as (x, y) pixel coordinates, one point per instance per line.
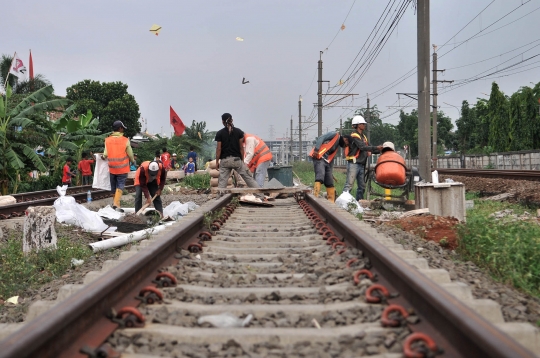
(177, 123)
(18, 68)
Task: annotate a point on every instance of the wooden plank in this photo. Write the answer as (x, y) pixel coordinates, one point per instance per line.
(299, 189)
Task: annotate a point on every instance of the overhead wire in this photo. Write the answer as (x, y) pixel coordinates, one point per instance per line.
(342, 24)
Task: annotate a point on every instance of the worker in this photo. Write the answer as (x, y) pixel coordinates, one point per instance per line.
(390, 168)
(166, 159)
(356, 154)
(85, 167)
(323, 154)
(118, 153)
(174, 162)
(258, 157)
(150, 179)
(229, 153)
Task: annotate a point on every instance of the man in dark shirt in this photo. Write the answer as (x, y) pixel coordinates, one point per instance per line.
(193, 154)
(230, 153)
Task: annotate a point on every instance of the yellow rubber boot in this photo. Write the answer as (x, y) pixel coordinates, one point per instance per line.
(117, 196)
(316, 189)
(331, 194)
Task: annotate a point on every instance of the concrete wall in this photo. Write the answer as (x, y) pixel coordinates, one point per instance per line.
(525, 160)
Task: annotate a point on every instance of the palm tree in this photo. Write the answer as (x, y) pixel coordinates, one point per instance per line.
(13, 152)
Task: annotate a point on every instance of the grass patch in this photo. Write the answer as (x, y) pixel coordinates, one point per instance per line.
(197, 181)
(509, 249)
(19, 272)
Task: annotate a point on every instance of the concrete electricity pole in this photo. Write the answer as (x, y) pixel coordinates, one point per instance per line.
(435, 94)
(291, 141)
(319, 96)
(300, 128)
(424, 135)
(368, 118)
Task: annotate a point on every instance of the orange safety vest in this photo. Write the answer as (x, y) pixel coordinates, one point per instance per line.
(144, 166)
(261, 153)
(117, 155)
(355, 155)
(324, 148)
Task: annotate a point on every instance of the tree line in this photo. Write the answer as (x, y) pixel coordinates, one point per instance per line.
(39, 130)
(501, 123)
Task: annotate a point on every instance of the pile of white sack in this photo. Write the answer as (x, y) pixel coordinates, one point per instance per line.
(68, 211)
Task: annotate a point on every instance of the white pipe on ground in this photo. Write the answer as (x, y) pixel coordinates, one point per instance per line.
(127, 238)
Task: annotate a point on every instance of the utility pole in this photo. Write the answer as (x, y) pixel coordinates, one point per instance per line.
(291, 141)
(341, 133)
(300, 128)
(424, 135)
(368, 119)
(435, 94)
(319, 96)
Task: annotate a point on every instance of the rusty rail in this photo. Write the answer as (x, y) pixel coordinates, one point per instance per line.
(532, 175)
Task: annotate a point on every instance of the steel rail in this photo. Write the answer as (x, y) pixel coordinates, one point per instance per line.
(459, 330)
(532, 175)
(18, 209)
(81, 320)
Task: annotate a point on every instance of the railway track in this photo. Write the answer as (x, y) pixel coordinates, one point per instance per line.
(532, 175)
(47, 198)
(305, 278)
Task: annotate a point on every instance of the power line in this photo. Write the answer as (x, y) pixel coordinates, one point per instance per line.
(341, 28)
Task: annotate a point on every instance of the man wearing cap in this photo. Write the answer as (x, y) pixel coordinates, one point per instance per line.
(150, 179)
(356, 154)
(118, 153)
(390, 168)
(230, 153)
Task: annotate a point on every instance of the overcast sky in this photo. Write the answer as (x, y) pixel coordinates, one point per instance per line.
(196, 64)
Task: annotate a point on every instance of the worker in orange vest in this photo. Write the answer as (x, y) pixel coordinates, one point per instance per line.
(150, 179)
(323, 155)
(356, 154)
(118, 152)
(390, 168)
(257, 157)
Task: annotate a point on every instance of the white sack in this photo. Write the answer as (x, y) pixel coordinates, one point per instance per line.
(69, 212)
(348, 202)
(175, 209)
(101, 174)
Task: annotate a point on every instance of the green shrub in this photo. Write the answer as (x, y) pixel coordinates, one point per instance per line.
(197, 181)
(510, 250)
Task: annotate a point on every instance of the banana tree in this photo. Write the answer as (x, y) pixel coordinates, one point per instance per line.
(13, 152)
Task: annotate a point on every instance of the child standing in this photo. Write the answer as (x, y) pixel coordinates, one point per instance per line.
(190, 167)
(86, 169)
(67, 173)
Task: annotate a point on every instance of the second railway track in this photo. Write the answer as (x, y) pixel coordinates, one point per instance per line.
(317, 282)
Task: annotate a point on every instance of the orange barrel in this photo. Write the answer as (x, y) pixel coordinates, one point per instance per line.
(390, 169)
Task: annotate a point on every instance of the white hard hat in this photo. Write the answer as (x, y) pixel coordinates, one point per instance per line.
(389, 145)
(153, 168)
(358, 120)
(174, 154)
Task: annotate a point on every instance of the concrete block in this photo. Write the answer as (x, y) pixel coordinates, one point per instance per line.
(488, 309)
(110, 264)
(124, 255)
(37, 308)
(459, 290)
(405, 254)
(419, 263)
(67, 290)
(437, 275)
(91, 276)
(444, 199)
(525, 333)
(38, 229)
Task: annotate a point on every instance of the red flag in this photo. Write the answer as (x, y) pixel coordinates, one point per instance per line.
(31, 63)
(177, 123)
